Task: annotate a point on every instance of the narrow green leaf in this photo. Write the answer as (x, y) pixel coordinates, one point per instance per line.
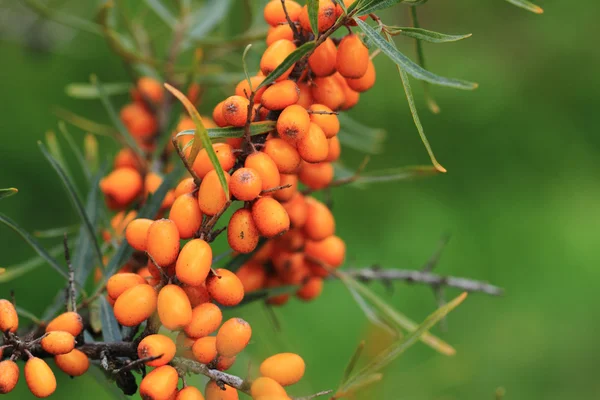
(112, 113)
(342, 5)
(353, 360)
(360, 137)
(31, 241)
(527, 5)
(397, 174)
(27, 314)
(264, 294)
(62, 128)
(65, 19)
(110, 327)
(201, 138)
(375, 5)
(426, 35)
(4, 193)
(87, 91)
(371, 314)
(240, 259)
(256, 128)
(153, 203)
(206, 18)
(358, 383)
(90, 145)
(56, 305)
(15, 271)
(407, 64)
(55, 232)
(313, 15)
(163, 12)
(68, 184)
(85, 124)
(245, 65)
(56, 152)
(287, 63)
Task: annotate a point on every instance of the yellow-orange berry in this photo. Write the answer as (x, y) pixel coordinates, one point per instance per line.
(306, 98)
(193, 263)
(135, 305)
(136, 233)
(243, 88)
(58, 342)
(274, 13)
(224, 363)
(185, 213)
(320, 223)
(225, 287)
(270, 217)
(252, 275)
(40, 378)
(74, 363)
(285, 368)
(293, 240)
(293, 123)
(126, 158)
(352, 57)
(187, 185)
(212, 391)
(279, 32)
(328, 91)
(206, 319)
(286, 194)
(274, 55)
(9, 376)
(151, 185)
(311, 289)
(322, 60)
(160, 383)
(69, 322)
(331, 250)
(334, 149)
(218, 116)
(280, 95)
(205, 349)
(202, 165)
(189, 393)
(139, 121)
(265, 386)
(351, 97)
(122, 186)
(297, 210)
(174, 308)
(284, 155)
(9, 320)
(316, 176)
(235, 110)
(233, 337)
(211, 196)
(326, 119)
(325, 19)
(154, 346)
(163, 242)
(313, 147)
(265, 167)
(119, 283)
(245, 184)
(365, 82)
(242, 234)
(150, 88)
(196, 294)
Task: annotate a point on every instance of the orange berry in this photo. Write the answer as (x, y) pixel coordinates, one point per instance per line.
(326, 16)
(224, 363)
(136, 233)
(189, 393)
(202, 165)
(243, 89)
(328, 91)
(265, 167)
(287, 193)
(122, 186)
(69, 322)
(162, 244)
(264, 253)
(305, 99)
(322, 60)
(126, 158)
(212, 391)
(194, 262)
(225, 287)
(186, 215)
(139, 121)
(270, 217)
(311, 289)
(205, 349)
(211, 196)
(331, 251)
(352, 57)
(245, 184)
(274, 55)
(264, 386)
(206, 319)
(194, 92)
(351, 97)
(293, 123)
(233, 337)
(252, 275)
(160, 383)
(196, 294)
(292, 240)
(297, 210)
(291, 267)
(150, 88)
(319, 221)
(154, 346)
(186, 186)
(235, 110)
(151, 185)
(242, 234)
(284, 155)
(275, 15)
(9, 376)
(285, 368)
(316, 176)
(218, 116)
(135, 305)
(58, 342)
(174, 308)
(328, 122)
(334, 149)
(119, 283)
(365, 82)
(313, 147)
(278, 32)
(39, 377)
(74, 363)
(120, 221)
(280, 95)
(9, 320)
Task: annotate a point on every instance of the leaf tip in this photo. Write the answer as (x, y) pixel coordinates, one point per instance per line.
(440, 168)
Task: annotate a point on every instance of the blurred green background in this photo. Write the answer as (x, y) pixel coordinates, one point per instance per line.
(520, 199)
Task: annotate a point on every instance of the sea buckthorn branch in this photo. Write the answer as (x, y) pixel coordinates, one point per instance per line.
(186, 365)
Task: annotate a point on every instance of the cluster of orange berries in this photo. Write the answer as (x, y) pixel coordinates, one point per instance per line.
(58, 341)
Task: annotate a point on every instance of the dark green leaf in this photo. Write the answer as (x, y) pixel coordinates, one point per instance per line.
(201, 138)
(110, 327)
(112, 113)
(62, 128)
(56, 152)
(15, 271)
(245, 65)
(4, 193)
(256, 128)
(206, 19)
(31, 241)
(359, 136)
(287, 63)
(371, 6)
(397, 174)
(56, 232)
(264, 294)
(424, 34)
(56, 305)
(163, 12)
(240, 259)
(527, 5)
(313, 15)
(87, 91)
(342, 5)
(86, 223)
(65, 19)
(27, 314)
(407, 64)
